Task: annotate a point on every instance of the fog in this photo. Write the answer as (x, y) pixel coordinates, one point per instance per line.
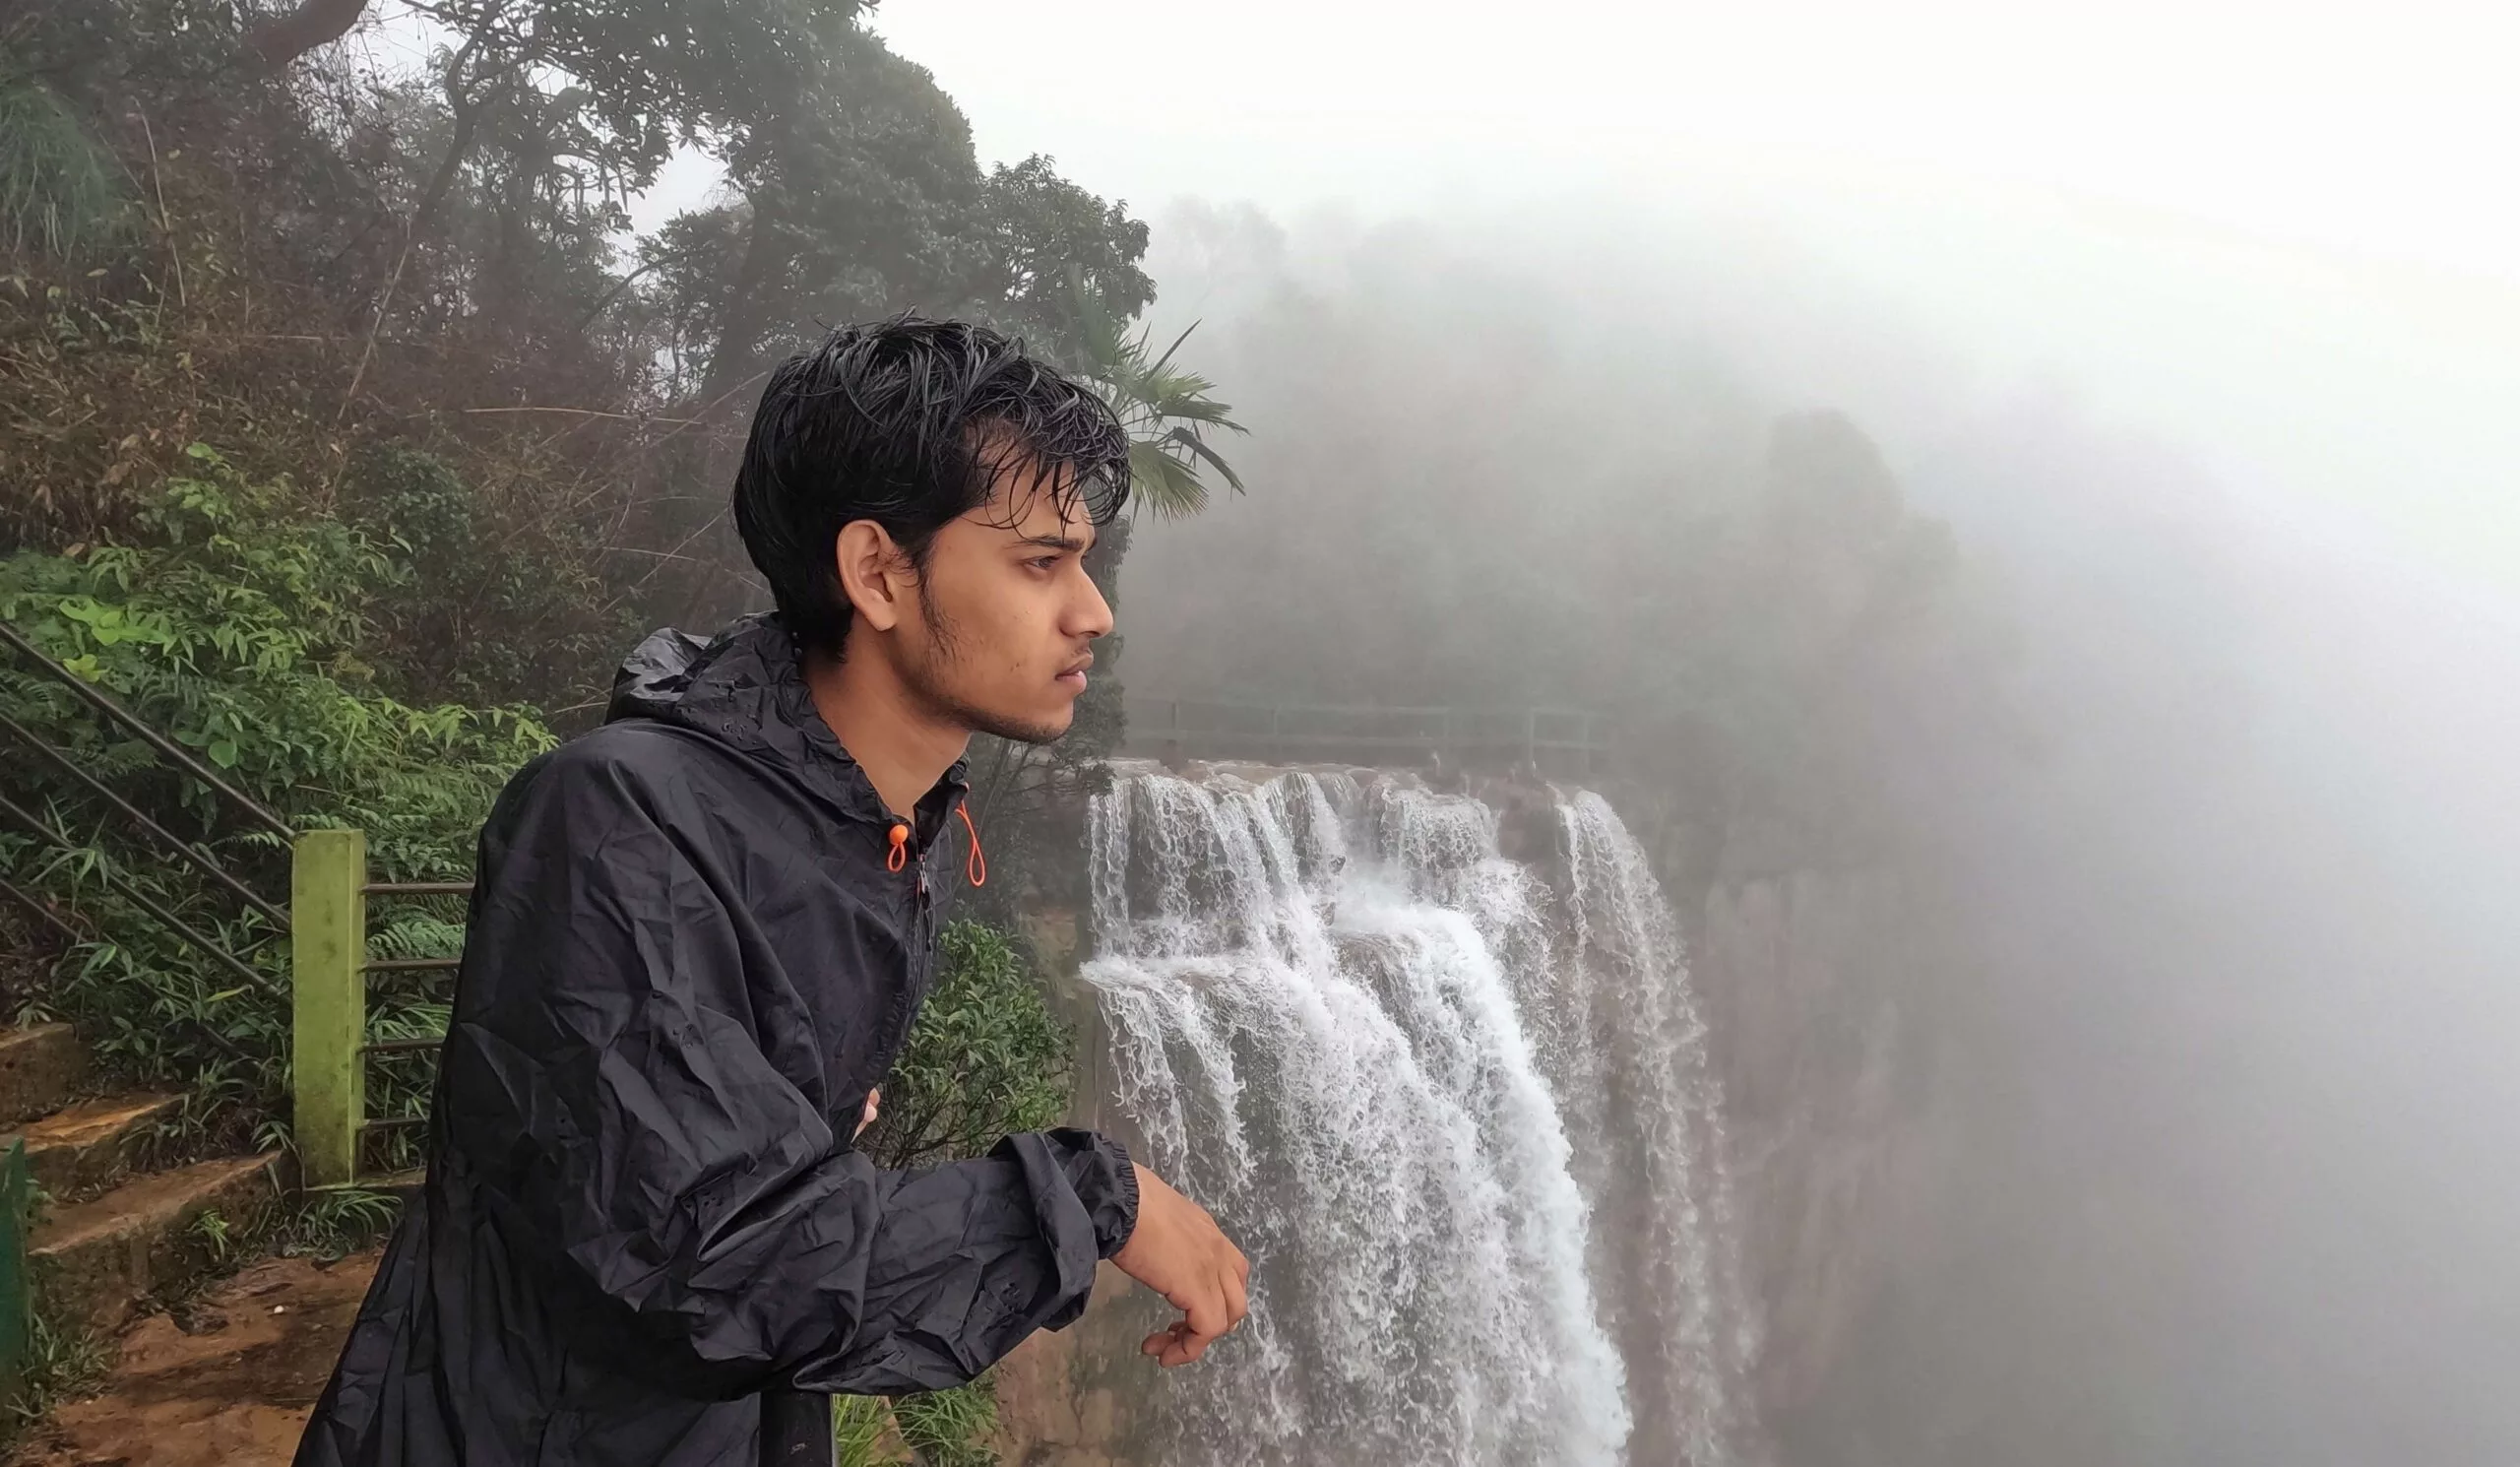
(2236, 1110)
(2057, 460)
(2195, 329)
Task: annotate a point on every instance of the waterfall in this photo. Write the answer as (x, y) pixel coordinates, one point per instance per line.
(1454, 1106)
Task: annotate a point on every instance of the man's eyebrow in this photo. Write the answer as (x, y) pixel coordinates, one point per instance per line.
(1054, 543)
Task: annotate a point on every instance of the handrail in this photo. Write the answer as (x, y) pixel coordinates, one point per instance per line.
(155, 739)
(142, 900)
(201, 859)
(419, 1045)
(41, 911)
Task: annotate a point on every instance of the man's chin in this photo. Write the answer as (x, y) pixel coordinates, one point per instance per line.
(1043, 729)
(1036, 725)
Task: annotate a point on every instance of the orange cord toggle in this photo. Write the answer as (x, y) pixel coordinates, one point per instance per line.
(977, 869)
(899, 856)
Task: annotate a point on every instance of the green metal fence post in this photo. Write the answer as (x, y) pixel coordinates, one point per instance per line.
(16, 1303)
(328, 927)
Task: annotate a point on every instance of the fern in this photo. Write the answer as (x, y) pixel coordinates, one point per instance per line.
(416, 934)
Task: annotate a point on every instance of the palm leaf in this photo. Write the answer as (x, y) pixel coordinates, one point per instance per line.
(1166, 359)
(1163, 407)
(1208, 456)
(1162, 483)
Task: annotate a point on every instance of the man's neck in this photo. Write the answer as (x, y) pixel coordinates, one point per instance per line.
(904, 749)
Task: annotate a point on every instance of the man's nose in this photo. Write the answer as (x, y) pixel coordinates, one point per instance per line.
(1092, 616)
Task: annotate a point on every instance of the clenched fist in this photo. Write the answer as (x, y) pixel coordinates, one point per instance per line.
(1179, 1252)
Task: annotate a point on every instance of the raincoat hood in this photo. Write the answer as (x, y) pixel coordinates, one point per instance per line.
(746, 688)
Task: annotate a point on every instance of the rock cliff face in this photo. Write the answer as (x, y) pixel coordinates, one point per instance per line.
(1824, 984)
(1812, 985)
(1061, 1397)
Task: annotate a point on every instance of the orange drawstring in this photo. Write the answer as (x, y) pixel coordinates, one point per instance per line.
(977, 869)
(899, 856)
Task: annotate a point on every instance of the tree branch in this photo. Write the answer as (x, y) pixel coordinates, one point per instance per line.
(619, 285)
(282, 40)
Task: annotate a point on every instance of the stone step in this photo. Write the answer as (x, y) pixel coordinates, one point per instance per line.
(93, 1143)
(96, 1260)
(40, 1069)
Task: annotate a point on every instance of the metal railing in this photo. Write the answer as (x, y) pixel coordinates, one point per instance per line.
(329, 1030)
(325, 923)
(17, 1295)
(48, 836)
(1549, 740)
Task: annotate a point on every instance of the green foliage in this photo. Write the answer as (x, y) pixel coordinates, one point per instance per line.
(1048, 237)
(64, 1360)
(871, 201)
(862, 205)
(62, 195)
(242, 631)
(336, 1223)
(241, 634)
(623, 81)
(863, 1432)
(950, 1427)
(988, 1058)
(477, 611)
(935, 1429)
(215, 1233)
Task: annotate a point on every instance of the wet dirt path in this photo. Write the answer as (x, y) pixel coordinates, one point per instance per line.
(234, 1391)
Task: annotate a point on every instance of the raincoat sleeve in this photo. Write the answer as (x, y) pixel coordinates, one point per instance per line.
(604, 1081)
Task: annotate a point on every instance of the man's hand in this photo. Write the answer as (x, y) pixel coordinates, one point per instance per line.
(1178, 1251)
(867, 1118)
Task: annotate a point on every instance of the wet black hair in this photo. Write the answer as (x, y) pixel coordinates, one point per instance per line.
(908, 422)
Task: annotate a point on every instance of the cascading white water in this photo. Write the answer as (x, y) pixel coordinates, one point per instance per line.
(1455, 1109)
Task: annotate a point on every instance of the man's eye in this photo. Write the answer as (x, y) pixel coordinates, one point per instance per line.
(1043, 563)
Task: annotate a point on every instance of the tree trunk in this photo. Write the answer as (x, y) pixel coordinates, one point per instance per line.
(282, 40)
(740, 334)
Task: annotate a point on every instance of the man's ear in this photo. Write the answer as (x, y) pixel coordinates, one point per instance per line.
(876, 574)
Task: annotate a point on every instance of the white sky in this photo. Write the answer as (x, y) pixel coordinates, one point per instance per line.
(2287, 235)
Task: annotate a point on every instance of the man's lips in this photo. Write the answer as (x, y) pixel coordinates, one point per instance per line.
(1075, 677)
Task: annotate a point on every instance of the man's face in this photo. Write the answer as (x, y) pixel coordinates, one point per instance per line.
(1008, 616)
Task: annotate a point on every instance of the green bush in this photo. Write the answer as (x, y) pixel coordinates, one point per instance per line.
(987, 1059)
(62, 193)
(488, 607)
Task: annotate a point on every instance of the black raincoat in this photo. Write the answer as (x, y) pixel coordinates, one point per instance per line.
(645, 1237)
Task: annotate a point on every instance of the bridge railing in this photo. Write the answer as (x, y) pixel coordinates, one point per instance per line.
(1550, 740)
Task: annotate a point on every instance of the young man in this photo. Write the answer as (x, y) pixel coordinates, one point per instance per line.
(699, 937)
